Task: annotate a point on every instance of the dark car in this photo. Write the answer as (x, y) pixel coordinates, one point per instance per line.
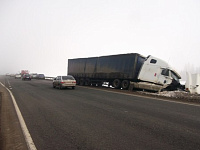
(40, 76)
(26, 77)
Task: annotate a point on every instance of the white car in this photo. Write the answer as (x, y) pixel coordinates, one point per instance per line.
(64, 81)
(18, 76)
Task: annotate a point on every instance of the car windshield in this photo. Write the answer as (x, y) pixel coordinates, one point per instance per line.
(67, 78)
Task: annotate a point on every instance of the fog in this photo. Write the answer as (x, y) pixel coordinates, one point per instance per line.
(41, 35)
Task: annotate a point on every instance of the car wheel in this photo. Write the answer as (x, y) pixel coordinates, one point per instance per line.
(73, 87)
(54, 86)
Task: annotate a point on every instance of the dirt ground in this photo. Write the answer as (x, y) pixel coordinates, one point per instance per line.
(178, 95)
(174, 95)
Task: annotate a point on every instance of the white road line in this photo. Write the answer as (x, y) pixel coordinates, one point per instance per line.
(8, 82)
(29, 141)
(158, 99)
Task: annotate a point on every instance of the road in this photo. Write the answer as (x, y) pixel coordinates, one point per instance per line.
(92, 118)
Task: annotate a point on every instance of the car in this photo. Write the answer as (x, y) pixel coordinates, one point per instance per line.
(12, 75)
(18, 76)
(26, 77)
(64, 81)
(40, 76)
(33, 75)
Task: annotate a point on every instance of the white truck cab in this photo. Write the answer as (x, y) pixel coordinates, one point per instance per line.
(157, 74)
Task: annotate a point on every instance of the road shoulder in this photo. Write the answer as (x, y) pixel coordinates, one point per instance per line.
(11, 135)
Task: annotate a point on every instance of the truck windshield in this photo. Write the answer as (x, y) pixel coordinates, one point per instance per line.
(174, 76)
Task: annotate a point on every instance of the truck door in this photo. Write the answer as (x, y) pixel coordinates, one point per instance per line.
(165, 77)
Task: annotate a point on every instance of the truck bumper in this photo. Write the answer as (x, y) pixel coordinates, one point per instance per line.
(146, 86)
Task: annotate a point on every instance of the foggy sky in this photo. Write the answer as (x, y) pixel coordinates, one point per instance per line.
(40, 35)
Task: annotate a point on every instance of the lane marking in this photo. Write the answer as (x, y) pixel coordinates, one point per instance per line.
(158, 99)
(27, 136)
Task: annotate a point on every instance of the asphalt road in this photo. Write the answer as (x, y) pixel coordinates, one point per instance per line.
(93, 119)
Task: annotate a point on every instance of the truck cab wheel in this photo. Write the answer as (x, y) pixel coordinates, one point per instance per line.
(117, 84)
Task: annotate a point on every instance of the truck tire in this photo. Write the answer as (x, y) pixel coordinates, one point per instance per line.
(117, 84)
(125, 84)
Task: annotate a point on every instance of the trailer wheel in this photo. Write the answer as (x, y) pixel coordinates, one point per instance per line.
(117, 83)
(125, 84)
(82, 82)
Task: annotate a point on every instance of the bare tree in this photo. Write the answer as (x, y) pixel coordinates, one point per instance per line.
(189, 68)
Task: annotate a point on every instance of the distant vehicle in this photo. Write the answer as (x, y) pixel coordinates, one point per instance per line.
(12, 75)
(18, 76)
(26, 77)
(24, 72)
(40, 76)
(64, 81)
(33, 75)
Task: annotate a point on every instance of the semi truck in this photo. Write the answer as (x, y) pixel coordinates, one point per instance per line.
(125, 71)
(24, 72)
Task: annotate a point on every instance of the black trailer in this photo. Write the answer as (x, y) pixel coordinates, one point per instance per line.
(118, 70)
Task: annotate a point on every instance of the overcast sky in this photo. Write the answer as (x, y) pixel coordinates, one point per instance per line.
(40, 35)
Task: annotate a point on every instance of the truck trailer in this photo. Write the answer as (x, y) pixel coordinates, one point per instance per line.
(123, 70)
(24, 72)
